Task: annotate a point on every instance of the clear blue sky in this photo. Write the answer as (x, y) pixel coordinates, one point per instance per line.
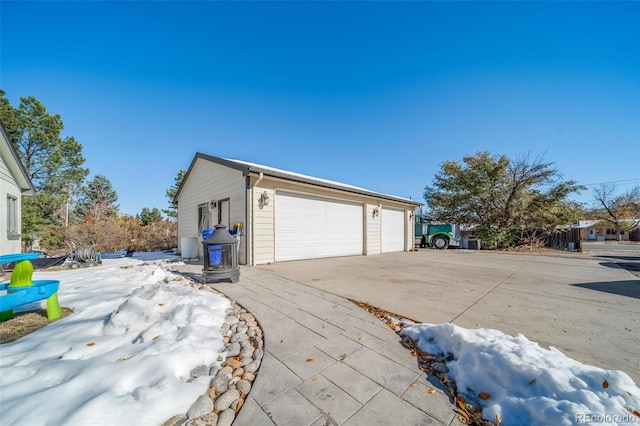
(370, 94)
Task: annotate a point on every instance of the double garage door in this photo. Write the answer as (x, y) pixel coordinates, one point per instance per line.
(308, 227)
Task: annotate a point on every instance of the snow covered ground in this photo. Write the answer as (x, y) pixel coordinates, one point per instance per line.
(520, 383)
(125, 355)
(122, 358)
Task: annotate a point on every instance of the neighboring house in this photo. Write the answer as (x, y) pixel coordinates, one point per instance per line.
(597, 230)
(14, 183)
(587, 229)
(289, 216)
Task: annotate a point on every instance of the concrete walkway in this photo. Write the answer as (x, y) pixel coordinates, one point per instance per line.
(587, 308)
(328, 362)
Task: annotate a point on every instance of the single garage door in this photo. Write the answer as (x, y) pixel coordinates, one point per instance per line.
(392, 230)
(309, 227)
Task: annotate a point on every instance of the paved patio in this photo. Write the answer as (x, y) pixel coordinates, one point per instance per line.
(328, 362)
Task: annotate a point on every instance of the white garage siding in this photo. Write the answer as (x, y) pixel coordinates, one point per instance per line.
(308, 227)
(208, 181)
(392, 230)
(289, 216)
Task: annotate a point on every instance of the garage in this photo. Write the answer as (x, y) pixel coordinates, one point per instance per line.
(392, 230)
(308, 227)
(281, 215)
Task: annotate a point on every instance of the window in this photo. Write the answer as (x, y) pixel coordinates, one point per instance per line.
(203, 217)
(13, 231)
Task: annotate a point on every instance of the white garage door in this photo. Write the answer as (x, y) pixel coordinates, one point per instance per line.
(392, 230)
(308, 227)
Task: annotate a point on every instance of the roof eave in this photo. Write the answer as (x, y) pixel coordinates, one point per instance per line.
(247, 169)
(16, 167)
(328, 185)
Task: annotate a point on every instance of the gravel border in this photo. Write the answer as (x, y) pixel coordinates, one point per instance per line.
(232, 375)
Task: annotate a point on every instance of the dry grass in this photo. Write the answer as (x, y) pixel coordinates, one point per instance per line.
(24, 323)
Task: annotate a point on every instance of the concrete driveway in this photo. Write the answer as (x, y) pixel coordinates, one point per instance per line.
(588, 308)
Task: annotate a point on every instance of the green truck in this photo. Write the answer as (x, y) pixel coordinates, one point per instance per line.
(440, 236)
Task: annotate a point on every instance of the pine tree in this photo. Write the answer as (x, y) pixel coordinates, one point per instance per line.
(172, 211)
(98, 201)
(149, 216)
(54, 164)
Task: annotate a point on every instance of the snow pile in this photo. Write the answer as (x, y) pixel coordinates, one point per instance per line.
(123, 356)
(524, 384)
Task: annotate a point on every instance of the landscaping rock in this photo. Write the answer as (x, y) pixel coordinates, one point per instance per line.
(238, 337)
(210, 419)
(203, 405)
(220, 384)
(226, 417)
(232, 374)
(243, 387)
(224, 401)
(232, 362)
(252, 367)
(257, 354)
(177, 420)
(233, 349)
(225, 372)
(247, 352)
(247, 317)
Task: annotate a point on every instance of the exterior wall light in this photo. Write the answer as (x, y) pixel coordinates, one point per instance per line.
(264, 199)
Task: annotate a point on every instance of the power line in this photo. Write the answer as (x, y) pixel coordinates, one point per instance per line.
(613, 181)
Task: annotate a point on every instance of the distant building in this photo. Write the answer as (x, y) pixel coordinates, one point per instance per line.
(598, 230)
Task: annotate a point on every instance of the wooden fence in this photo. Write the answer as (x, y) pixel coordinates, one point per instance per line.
(564, 240)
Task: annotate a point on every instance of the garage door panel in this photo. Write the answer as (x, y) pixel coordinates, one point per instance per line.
(392, 230)
(309, 227)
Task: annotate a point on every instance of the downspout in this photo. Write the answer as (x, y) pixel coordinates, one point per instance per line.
(253, 239)
(247, 215)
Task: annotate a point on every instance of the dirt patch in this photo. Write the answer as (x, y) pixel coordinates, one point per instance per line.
(24, 323)
(542, 251)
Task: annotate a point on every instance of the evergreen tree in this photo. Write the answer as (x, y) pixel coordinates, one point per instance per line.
(97, 201)
(501, 197)
(8, 117)
(54, 164)
(149, 216)
(172, 211)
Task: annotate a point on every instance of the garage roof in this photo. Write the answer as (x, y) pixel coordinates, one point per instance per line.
(248, 168)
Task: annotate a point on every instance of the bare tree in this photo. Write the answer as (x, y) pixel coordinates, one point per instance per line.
(621, 212)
